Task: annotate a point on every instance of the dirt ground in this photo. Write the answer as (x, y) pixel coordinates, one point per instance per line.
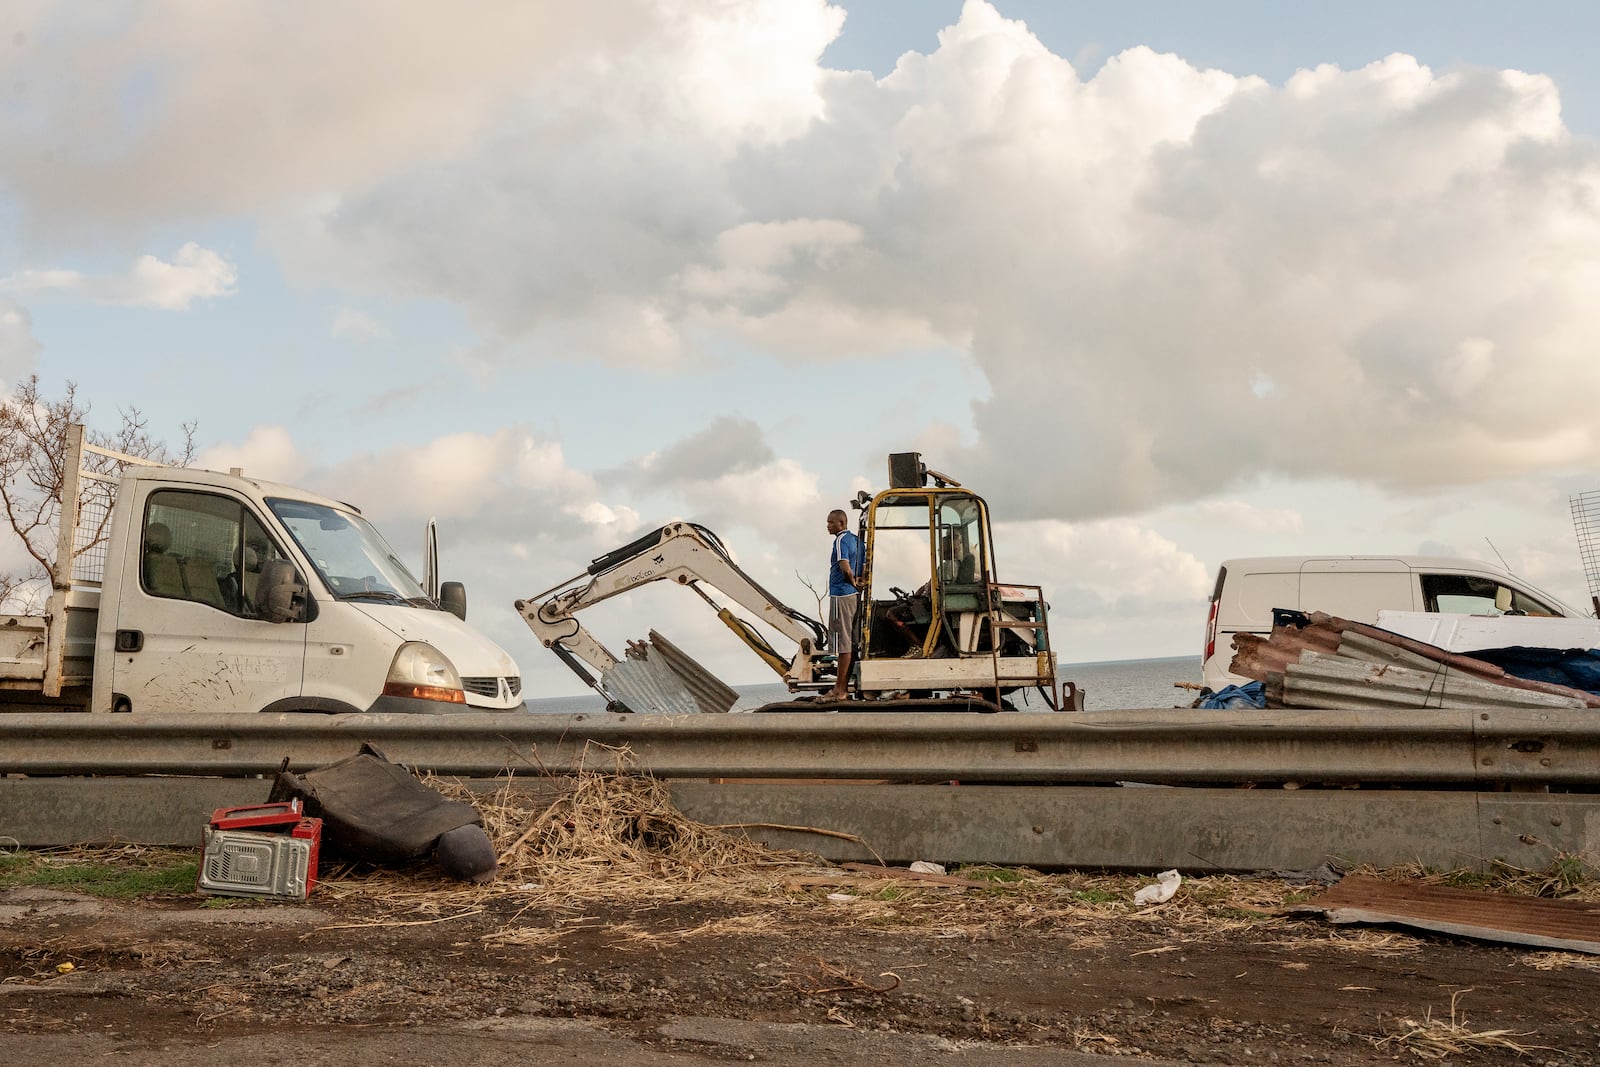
(825, 968)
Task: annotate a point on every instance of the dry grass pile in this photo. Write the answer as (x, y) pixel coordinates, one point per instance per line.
(1564, 877)
(1436, 1039)
(616, 834)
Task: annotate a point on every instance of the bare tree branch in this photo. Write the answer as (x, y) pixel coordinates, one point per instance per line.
(33, 446)
(807, 583)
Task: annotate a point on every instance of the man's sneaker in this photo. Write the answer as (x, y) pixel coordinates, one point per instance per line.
(914, 652)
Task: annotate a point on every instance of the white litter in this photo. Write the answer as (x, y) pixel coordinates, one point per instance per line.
(842, 898)
(1166, 885)
(924, 867)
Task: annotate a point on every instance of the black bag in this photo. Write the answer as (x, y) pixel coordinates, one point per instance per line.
(376, 810)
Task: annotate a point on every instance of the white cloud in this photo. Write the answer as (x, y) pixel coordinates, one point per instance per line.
(268, 452)
(1191, 278)
(194, 273)
(352, 325)
(1238, 515)
(1095, 567)
(18, 347)
(176, 108)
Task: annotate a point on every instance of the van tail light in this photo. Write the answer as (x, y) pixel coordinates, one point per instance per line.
(1211, 632)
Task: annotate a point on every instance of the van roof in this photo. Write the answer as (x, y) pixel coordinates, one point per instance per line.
(1289, 563)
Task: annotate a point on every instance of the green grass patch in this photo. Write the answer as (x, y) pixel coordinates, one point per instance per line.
(119, 875)
(1097, 896)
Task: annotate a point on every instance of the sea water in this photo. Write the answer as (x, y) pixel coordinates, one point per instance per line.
(1106, 686)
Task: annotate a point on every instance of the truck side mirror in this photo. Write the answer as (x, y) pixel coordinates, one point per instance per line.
(453, 598)
(281, 592)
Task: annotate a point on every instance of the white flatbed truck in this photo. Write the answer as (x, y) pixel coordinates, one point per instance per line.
(184, 590)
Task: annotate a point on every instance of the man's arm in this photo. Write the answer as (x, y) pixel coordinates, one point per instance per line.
(846, 567)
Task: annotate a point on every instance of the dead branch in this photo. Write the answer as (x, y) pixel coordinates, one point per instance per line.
(830, 978)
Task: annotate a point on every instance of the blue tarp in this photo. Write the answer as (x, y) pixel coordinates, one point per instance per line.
(1575, 668)
(1249, 695)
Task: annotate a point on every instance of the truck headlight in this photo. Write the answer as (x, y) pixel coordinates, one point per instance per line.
(421, 672)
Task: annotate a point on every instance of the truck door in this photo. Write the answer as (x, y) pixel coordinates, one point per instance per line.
(188, 638)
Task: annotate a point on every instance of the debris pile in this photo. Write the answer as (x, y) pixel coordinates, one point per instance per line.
(1320, 661)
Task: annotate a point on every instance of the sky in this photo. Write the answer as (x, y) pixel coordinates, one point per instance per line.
(1167, 283)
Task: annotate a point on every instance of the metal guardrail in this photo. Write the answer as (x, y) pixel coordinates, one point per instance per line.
(1141, 828)
(1483, 747)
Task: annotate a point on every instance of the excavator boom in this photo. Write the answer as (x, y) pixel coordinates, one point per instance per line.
(686, 554)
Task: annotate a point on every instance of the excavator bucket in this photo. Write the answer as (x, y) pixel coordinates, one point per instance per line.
(657, 677)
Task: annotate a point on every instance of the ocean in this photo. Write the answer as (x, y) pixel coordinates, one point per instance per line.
(1107, 686)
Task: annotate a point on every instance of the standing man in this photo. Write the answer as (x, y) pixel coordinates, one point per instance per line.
(844, 575)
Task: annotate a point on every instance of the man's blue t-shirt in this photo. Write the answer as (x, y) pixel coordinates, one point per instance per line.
(845, 546)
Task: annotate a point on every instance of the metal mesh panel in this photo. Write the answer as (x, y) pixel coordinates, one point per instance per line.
(1586, 519)
(89, 538)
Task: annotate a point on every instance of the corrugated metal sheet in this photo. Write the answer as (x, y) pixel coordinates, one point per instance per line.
(659, 678)
(648, 686)
(710, 692)
(1559, 924)
(1323, 681)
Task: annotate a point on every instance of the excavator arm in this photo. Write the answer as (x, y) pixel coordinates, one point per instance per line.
(686, 554)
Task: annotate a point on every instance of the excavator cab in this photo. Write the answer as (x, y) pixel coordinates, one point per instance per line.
(934, 616)
(928, 554)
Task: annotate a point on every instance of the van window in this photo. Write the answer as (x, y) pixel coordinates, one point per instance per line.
(1248, 600)
(205, 548)
(1471, 594)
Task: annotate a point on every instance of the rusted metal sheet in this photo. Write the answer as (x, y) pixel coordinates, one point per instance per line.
(1559, 924)
(1256, 656)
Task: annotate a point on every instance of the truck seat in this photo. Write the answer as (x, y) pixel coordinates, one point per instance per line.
(200, 575)
(162, 574)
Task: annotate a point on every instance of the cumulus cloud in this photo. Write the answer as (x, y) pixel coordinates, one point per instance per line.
(1110, 566)
(194, 273)
(268, 452)
(728, 444)
(1192, 278)
(177, 108)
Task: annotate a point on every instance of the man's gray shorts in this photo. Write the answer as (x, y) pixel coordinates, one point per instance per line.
(842, 622)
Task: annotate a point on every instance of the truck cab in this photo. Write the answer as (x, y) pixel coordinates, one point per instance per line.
(216, 592)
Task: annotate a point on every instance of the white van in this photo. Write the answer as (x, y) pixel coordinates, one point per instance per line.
(1357, 588)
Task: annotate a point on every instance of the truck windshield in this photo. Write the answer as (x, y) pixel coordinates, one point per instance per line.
(349, 555)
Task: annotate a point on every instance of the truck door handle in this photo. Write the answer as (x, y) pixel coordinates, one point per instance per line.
(129, 640)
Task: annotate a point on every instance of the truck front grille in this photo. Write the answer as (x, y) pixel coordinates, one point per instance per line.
(490, 687)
